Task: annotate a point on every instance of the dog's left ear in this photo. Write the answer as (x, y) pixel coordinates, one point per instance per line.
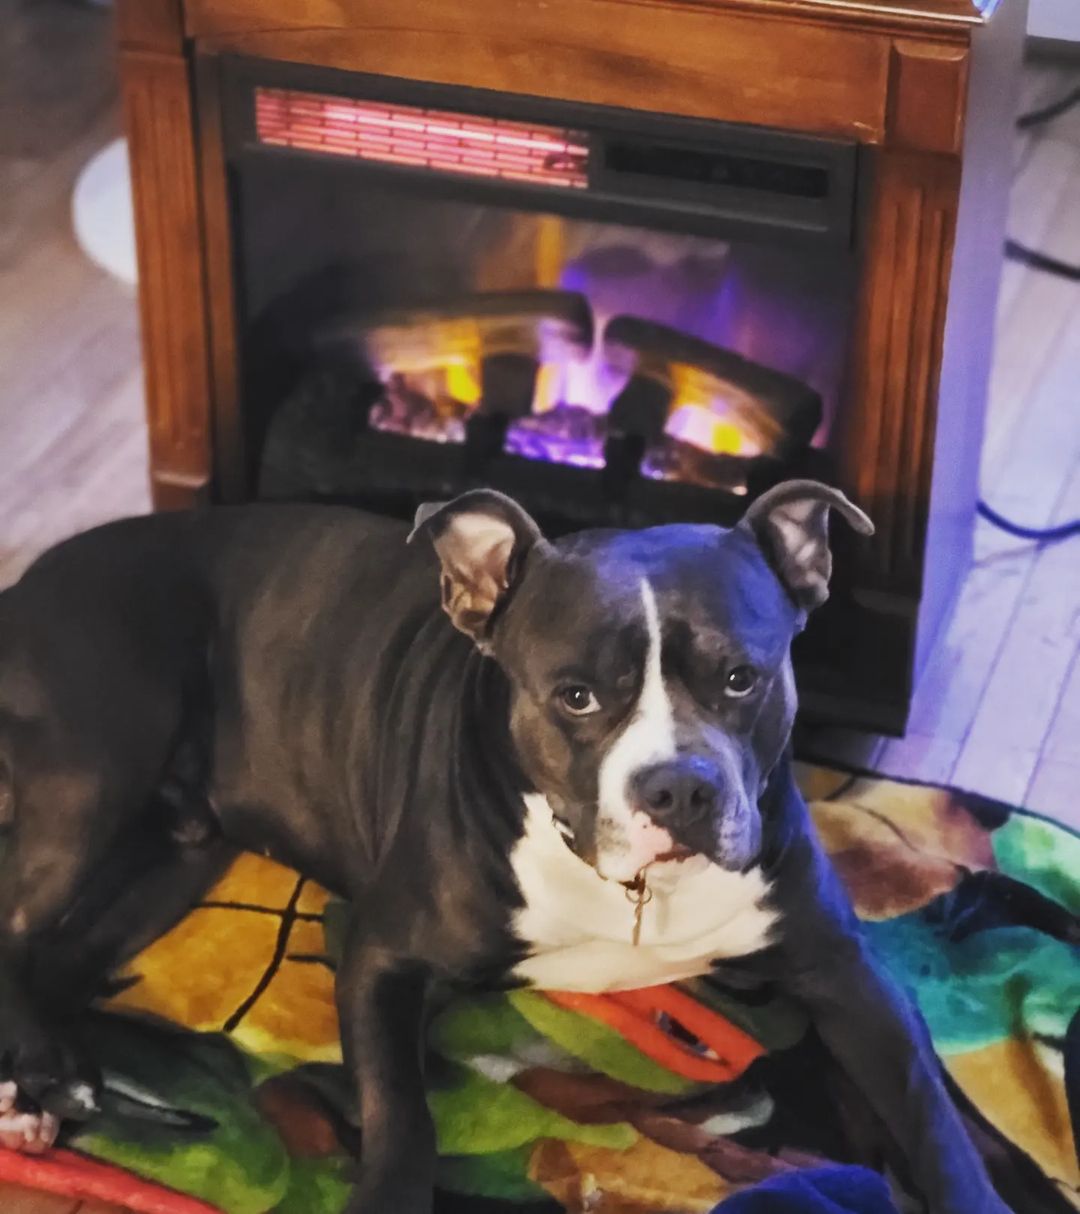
(481, 539)
(791, 525)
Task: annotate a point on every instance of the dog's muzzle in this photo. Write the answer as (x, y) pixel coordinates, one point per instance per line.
(685, 797)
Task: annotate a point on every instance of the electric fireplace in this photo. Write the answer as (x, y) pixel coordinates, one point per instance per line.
(632, 263)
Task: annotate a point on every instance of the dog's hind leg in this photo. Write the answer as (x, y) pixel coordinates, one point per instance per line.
(41, 1080)
(66, 813)
(144, 886)
(44, 1077)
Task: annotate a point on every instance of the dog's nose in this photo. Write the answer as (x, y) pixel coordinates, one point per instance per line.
(680, 790)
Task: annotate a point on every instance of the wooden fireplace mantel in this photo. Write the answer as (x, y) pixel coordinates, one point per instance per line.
(880, 71)
(927, 87)
(208, 17)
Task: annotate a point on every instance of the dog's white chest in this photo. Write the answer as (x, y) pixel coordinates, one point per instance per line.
(579, 927)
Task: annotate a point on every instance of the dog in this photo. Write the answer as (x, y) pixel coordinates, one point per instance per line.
(559, 764)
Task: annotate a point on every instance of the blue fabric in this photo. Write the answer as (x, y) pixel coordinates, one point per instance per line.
(814, 1191)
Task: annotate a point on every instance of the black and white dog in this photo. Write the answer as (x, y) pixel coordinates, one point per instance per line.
(580, 781)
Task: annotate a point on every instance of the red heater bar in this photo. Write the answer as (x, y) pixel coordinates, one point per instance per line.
(432, 139)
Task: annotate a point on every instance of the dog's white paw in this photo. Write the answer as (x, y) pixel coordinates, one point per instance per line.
(48, 1078)
(30, 1133)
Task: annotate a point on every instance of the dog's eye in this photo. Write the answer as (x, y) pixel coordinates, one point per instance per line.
(740, 681)
(578, 700)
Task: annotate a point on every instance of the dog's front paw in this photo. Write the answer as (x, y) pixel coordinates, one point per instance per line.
(23, 1127)
(41, 1086)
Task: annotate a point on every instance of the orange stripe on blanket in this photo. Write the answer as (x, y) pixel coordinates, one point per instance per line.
(637, 1016)
(68, 1174)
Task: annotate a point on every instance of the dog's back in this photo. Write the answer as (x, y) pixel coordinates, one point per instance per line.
(151, 591)
(208, 649)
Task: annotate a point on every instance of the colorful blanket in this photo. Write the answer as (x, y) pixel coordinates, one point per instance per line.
(671, 1099)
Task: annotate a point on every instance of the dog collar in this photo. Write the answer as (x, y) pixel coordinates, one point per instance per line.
(637, 890)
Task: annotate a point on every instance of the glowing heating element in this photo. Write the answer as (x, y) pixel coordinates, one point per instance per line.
(421, 138)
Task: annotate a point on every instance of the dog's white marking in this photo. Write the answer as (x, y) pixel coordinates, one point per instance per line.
(82, 1095)
(628, 838)
(578, 926)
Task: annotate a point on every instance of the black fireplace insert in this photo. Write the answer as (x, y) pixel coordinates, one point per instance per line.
(619, 318)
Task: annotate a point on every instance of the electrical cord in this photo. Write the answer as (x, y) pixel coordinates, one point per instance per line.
(1037, 260)
(1045, 113)
(1044, 535)
(1013, 249)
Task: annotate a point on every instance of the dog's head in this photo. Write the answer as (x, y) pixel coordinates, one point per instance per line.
(650, 672)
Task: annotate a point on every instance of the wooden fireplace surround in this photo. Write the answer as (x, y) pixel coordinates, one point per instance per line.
(927, 86)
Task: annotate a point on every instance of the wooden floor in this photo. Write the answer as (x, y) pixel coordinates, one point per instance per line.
(72, 439)
(1000, 708)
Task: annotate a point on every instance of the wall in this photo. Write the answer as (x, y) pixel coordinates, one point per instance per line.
(1055, 19)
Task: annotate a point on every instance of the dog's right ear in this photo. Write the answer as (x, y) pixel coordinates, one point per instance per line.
(790, 523)
(481, 539)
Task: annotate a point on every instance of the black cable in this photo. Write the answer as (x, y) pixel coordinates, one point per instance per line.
(1054, 110)
(1036, 260)
(1016, 251)
(1045, 535)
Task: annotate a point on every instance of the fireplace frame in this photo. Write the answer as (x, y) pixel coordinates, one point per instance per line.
(926, 88)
